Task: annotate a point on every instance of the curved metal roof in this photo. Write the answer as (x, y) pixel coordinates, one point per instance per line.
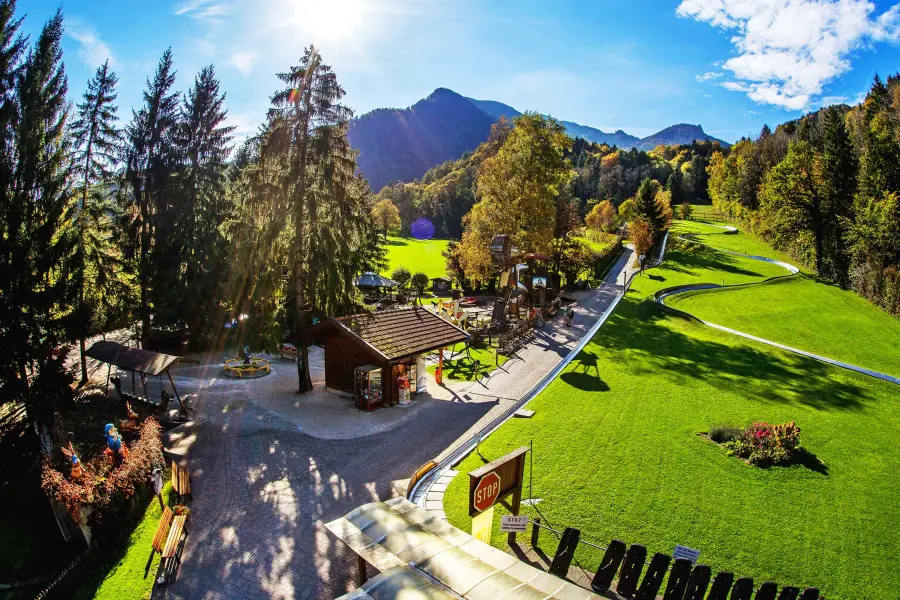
(131, 359)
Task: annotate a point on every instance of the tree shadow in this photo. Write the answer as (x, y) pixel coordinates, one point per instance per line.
(638, 329)
(657, 277)
(396, 242)
(585, 382)
(706, 257)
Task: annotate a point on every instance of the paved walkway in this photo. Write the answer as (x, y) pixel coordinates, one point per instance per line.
(264, 486)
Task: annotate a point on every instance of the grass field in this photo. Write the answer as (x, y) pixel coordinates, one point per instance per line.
(617, 455)
(799, 311)
(416, 255)
(125, 579)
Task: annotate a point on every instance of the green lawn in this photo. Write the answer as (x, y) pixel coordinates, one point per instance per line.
(805, 314)
(125, 578)
(617, 455)
(416, 255)
(798, 311)
(463, 368)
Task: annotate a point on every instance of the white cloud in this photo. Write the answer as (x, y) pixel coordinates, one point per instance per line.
(242, 61)
(91, 49)
(708, 76)
(788, 50)
(204, 10)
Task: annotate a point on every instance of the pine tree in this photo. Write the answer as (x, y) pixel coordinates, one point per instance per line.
(149, 166)
(203, 145)
(40, 242)
(675, 185)
(299, 113)
(839, 167)
(880, 160)
(647, 207)
(96, 142)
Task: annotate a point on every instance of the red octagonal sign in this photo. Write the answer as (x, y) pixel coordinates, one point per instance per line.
(486, 492)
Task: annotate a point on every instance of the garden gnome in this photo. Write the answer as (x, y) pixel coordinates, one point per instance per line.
(77, 472)
(114, 441)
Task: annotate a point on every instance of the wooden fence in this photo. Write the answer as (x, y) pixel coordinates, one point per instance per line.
(685, 580)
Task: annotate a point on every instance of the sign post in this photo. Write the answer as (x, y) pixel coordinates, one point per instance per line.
(494, 483)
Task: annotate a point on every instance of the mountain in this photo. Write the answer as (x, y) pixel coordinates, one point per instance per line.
(681, 134)
(401, 144)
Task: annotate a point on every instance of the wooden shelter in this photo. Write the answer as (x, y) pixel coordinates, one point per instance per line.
(136, 360)
(389, 340)
(441, 285)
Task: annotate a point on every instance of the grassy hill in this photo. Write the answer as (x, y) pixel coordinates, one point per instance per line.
(416, 255)
(617, 455)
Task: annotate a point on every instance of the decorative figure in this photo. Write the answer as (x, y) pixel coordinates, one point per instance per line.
(77, 472)
(246, 355)
(114, 441)
(131, 423)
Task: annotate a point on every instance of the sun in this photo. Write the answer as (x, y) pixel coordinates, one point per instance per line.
(327, 20)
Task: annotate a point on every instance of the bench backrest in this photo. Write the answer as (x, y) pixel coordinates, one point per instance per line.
(162, 530)
(181, 479)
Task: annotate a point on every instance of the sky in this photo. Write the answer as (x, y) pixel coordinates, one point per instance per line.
(639, 65)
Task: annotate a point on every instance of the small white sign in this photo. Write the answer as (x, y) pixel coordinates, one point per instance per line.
(642, 257)
(513, 523)
(685, 552)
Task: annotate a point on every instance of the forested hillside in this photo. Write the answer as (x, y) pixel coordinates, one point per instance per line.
(826, 189)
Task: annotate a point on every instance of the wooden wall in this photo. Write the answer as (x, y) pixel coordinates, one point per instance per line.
(342, 355)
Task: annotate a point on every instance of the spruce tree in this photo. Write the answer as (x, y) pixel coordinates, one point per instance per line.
(96, 140)
(149, 166)
(40, 239)
(301, 122)
(647, 207)
(839, 167)
(203, 144)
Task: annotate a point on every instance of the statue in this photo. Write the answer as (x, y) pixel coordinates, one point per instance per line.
(114, 441)
(246, 355)
(131, 423)
(77, 472)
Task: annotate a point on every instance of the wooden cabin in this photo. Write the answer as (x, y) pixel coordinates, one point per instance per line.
(389, 340)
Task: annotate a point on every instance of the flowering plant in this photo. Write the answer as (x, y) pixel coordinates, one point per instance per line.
(767, 444)
(102, 481)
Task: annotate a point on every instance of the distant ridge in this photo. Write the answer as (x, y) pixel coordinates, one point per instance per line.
(401, 144)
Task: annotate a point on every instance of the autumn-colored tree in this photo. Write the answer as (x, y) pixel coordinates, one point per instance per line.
(686, 210)
(641, 234)
(386, 216)
(517, 190)
(602, 217)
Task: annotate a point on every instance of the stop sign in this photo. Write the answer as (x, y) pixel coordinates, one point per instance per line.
(486, 492)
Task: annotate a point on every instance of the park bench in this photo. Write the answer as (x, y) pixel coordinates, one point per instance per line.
(181, 481)
(167, 541)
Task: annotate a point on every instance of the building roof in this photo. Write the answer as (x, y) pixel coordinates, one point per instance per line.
(402, 332)
(447, 279)
(420, 555)
(374, 280)
(131, 359)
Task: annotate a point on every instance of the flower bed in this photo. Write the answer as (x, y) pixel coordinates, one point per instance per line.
(760, 444)
(104, 481)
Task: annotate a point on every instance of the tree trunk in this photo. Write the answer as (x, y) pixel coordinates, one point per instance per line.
(300, 312)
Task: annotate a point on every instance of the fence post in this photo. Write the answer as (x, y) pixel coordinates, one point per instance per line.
(535, 531)
(566, 551)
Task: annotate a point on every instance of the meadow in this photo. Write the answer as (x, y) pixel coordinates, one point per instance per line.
(416, 255)
(617, 452)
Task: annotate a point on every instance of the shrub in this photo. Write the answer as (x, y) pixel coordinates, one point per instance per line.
(103, 482)
(419, 282)
(765, 444)
(401, 275)
(722, 433)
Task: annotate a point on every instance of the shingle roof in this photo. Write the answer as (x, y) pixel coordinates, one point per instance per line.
(402, 332)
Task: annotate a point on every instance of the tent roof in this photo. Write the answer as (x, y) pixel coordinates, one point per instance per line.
(374, 280)
(131, 359)
(422, 556)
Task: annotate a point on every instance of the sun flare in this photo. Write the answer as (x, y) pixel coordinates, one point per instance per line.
(327, 19)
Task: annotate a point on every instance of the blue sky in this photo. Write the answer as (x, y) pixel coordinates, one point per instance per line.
(638, 65)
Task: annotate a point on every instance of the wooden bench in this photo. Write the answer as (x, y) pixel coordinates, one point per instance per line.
(167, 541)
(181, 481)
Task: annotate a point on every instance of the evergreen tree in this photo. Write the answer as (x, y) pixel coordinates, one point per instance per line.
(839, 167)
(880, 159)
(307, 132)
(675, 185)
(648, 208)
(149, 165)
(96, 141)
(203, 145)
(39, 242)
